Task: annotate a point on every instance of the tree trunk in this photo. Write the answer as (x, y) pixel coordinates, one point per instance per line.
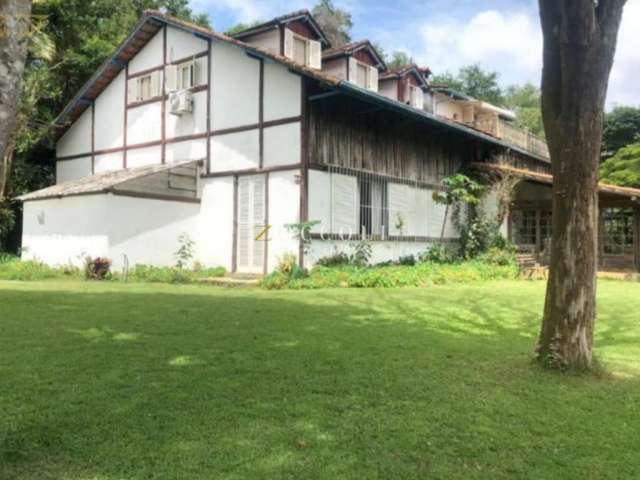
(579, 45)
(14, 31)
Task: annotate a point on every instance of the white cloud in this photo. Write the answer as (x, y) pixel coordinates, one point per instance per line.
(510, 42)
(624, 87)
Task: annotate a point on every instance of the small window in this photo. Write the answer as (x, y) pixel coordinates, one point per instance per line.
(185, 75)
(361, 75)
(144, 89)
(300, 50)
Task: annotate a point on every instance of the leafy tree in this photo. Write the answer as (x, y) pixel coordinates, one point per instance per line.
(399, 59)
(579, 47)
(621, 128)
(623, 168)
(524, 100)
(241, 27)
(474, 81)
(335, 22)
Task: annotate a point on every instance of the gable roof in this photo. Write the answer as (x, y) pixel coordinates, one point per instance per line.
(404, 71)
(354, 47)
(548, 179)
(117, 182)
(303, 15)
(152, 21)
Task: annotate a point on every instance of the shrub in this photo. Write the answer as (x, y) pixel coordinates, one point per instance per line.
(97, 268)
(337, 259)
(151, 274)
(437, 253)
(361, 254)
(408, 260)
(287, 262)
(498, 256)
(185, 251)
(27, 271)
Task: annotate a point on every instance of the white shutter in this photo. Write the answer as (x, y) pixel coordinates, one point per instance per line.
(353, 70)
(171, 71)
(372, 79)
(315, 54)
(288, 43)
(155, 84)
(195, 75)
(344, 205)
(398, 209)
(132, 90)
(258, 220)
(418, 97)
(244, 231)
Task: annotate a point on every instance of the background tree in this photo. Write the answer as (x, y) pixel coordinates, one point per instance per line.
(579, 46)
(623, 168)
(474, 81)
(524, 100)
(621, 128)
(398, 59)
(335, 22)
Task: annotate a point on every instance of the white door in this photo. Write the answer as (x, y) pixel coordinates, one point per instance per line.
(251, 223)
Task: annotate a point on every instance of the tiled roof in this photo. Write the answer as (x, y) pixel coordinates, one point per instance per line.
(548, 179)
(101, 182)
(351, 48)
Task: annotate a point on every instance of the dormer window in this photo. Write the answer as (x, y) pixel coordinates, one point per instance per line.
(363, 75)
(302, 50)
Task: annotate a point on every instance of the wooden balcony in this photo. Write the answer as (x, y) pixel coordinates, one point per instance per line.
(511, 134)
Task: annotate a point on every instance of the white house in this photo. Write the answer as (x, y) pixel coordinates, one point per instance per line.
(230, 140)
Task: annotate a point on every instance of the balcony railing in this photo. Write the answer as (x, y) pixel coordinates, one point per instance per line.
(509, 133)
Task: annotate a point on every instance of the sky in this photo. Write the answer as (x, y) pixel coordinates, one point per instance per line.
(500, 35)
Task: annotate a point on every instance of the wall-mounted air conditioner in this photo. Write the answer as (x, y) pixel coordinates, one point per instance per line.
(180, 102)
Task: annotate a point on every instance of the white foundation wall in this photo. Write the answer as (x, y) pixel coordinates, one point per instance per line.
(72, 169)
(64, 231)
(214, 232)
(380, 251)
(284, 209)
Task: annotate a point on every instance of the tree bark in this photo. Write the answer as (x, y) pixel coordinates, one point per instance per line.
(14, 35)
(579, 45)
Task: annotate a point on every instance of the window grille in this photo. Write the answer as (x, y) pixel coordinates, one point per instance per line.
(616, 231)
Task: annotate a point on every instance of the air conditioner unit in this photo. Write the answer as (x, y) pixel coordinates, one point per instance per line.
(180, 102)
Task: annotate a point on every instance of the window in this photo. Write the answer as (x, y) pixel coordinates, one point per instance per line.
(416, 97)
(363, 75)
(144, 87)
(546, 225)
(524, 227)
(302, 50)
(185, 77)
(616, 231)
(182, 76)
(373, 206)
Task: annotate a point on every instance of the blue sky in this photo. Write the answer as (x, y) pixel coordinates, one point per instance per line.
(501, 35)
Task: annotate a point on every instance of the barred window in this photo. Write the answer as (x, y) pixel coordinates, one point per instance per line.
(616, 232)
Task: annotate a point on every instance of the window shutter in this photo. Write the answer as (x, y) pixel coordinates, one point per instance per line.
(344, 205)
(372, 79)
(171, 71)
(288, 43)
(419, 98)
(259, 187)
(155, 84)
(132, 94)
(195, 74)
(353, 70)
(315, 54)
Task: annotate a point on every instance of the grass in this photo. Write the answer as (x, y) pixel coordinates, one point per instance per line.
(104, 381)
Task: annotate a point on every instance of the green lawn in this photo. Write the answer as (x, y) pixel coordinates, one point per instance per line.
(113, 382)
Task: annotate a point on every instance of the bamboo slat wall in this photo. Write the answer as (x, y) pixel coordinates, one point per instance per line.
(517, 160)
(346, 133)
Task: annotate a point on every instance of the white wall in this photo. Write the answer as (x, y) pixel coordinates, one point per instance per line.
(235, 151)
(284, 209)
(72, 169)
(188, 123)
(63, 231)
(282, 145)
(189, 150)
(181, 44)
(109, 118)
(144, 124)
(337, 67)
(76, 140)
(141, 157)
(235, 87)
(150, 56)
(389, 88)
(215, 225)
(282, 92)
(108, 162)
(269, 41)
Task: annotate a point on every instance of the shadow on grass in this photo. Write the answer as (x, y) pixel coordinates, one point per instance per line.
(331, 384)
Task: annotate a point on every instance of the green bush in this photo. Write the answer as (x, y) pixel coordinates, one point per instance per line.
(499, 256)
(437, 253)
(337, 259)
(151, 274)
(420, 275)
(15, 269)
